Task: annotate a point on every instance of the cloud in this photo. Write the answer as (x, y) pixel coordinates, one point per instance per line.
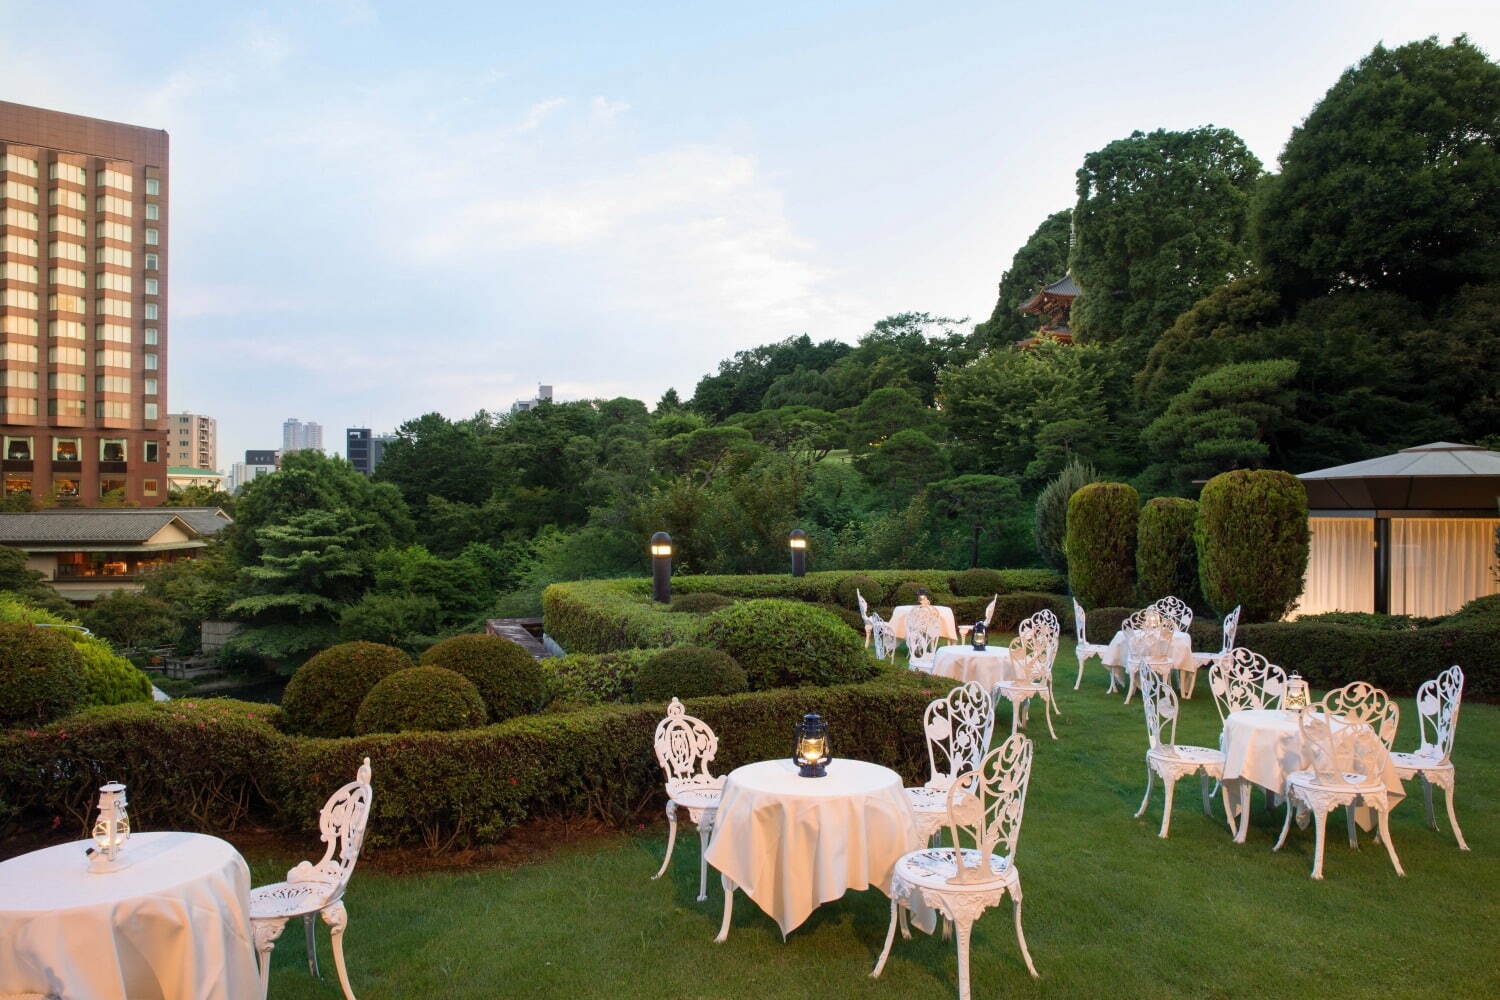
(539, 113)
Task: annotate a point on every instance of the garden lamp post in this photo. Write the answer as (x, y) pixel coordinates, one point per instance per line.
(798, 543)
(661, 567)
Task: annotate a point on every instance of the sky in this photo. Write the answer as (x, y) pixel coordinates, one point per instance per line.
(380, 210)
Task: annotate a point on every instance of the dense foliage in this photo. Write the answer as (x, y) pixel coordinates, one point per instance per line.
(508, 679)
(324, 694)
(109, 678)
(787, 643)
(689, 672)
(1165, 560)
(41, 675)
(1100, 543)
(1252, 541)
(133, 621)
(424, 699)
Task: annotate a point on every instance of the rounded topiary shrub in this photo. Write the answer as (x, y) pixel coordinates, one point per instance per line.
(1100, 543)
(907, 593)
(324, 694)
(700, 604)
(509, 680)
(848, 590)
(1252, 541)
(1166, 561)
(977, 583)
(41, 675)
(420, 698)
(689, 672)
(786, 643)
(845, 615)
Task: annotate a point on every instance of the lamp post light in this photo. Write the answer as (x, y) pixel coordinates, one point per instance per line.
(661, 567)
(798, 543)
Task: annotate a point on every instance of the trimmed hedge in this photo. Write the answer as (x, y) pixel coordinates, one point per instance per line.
(109, 678)
(1166, 561)
(508, 678)
(689, 672)
(41, 675)
(324, 694)
(1010, 609)
(788, 643)
(582, 679)
(908, 593)
(217, 764)
(700, 604)
(851, 588)
(1100, 543)
(421, 698)
(976, 583)
(1252, 541)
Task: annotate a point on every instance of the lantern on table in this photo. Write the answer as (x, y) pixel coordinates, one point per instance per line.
(1297, 697)
(111, 830)
(978, 634)
(810, 751)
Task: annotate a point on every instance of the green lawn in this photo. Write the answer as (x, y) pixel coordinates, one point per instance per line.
(1111, 911)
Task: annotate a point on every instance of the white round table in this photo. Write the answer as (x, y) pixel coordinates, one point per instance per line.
(947, 629)
(791, 843)
(1262, 746)
(1180, 655)
(173, 925)
(987, 667)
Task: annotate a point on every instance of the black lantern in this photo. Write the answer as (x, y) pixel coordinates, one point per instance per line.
(661, 567)
(979, 634)
(810, 752)
(797, 542)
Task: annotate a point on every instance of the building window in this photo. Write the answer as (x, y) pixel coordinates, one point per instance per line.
(18, 449)
(66, 328)
(65, 486)
(153, 262)
(66, 356)
(153, 287)
(149, 487)
(15, 163)
(153, 211)
(112, 449)
(153, 311)
(17, 484)
(19, 191)
(112, 332)
(114, 231)
(151, 387)
(112, 383)
(109, 409)
(19, 244)
(20, 217)
(22, 326)
(68, 172)
(112, 359)
(65, 407)
(69, 251)
(67, 276)
(112, 255)
(67, 381)
(111, 484)
(150, 412)
(21, 406)
(151, 336)
(115, 179)
(112, 307)
(153, 186)
(20, 352)
(69, 225)
(66, 449)
(19, 298)
(62, 302)
(152, 450)
(15, 271)
(152, 237)
(64, 198)
(151, 362)
(114, 206)
(15, 378)
(109, 280)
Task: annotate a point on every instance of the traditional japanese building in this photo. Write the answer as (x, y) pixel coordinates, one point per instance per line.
(1054, 303)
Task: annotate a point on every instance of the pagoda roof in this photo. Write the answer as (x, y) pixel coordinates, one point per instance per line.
(1060, 293)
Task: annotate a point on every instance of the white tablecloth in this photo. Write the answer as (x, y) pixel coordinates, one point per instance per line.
(898, 620)
(174, 925)
(988, 666)
(1262, 746)
(791, 843)
(1181, 652)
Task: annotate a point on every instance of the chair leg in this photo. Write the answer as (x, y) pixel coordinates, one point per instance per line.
(1245, 795)
(1146, 799)
(965, 926)
(890, 936)
(265, 933)
(1286, 826)
(1166, 810)
(905, 924)
(728, 912)
(312, 947)
(1452, 819)
(1047, 711)
(671, 837)
(1385, 835)
(1079, 681)
(1353, 831)
(1015, 898)
(1015, 716)
(1228, 813)
(1130, 691)
(1051, 697)
(1190, 678)
(1208, 803)
(1320, 821)
(337, 918)
(1427, 798)
(704, 831)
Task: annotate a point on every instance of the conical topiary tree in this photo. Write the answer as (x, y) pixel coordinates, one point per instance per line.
(1166, 560)
(1100, 544)
(1252, 540)
(1051, 525)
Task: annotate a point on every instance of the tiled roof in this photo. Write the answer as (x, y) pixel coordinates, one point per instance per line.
(128, 525)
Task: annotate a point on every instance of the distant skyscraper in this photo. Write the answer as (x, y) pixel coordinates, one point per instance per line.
(299, 436)
(258, 462)
(364, 449)
(543, 395)
(192, 441)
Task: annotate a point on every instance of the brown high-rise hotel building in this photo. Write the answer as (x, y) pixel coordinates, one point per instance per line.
(83, 307)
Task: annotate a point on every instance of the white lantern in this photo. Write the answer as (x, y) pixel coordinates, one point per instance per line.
(1297, 696)
(112, 829)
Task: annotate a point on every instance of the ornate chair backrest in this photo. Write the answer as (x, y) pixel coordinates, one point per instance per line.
(1366, 703)
(1148, 636)
(1079, 623)
(923, 627)
(864, 607)
(685, 746)
(989, 611)
(1045, 629)
(1242, 680)
(1031, 657)
(1330, 741)
(1176, 609)
(1231, 629)
(1438, 701)
(1000, 783)
(958, 728)
(341, 826)
(885, 636)
(1159, 702)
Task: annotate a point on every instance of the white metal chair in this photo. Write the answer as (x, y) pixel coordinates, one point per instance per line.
(1176, 609)
(1148, 646)
(1173, 761)
(1366, 703)
(1243, 680)
(317, 889)
(685, 746)
(1342, 774)
(963, 882)
(989, 616)
(924, 626)
(1085, 649)
(958, 727)
(878, 629)
(1031, 660)
(1438, 702)
(1201, 660)
(1045, 626)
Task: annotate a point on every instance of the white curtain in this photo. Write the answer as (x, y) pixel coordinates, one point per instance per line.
(1438, 564)
(1340, 566)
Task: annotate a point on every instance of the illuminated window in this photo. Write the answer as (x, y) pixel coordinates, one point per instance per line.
(66, 328)
(65, 407)
(18, 244)
(68, 172)
(66, 449)
(112, 332)
(68, 224)
(19, 191)
(16, 163)
(16, 271)
(65, 486)
(112, 359)
(149, 487)
(17, 378)
(18, 449)
(17, 484)
(152, 237)
(112, 307)
(70, 381)
(21, 325)
(65, 276)
(113, 178)
(20, 352)
(114, 206)
(66, 356)
(19, 298)
(109, 280)
(60, 302)
(20, 217)
(21, 406)
(108, 485)
(113, 255)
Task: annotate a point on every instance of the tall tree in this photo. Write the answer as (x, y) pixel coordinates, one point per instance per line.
(1393, 181)
(1161, 219)
(975, 501)
(1042, 258)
